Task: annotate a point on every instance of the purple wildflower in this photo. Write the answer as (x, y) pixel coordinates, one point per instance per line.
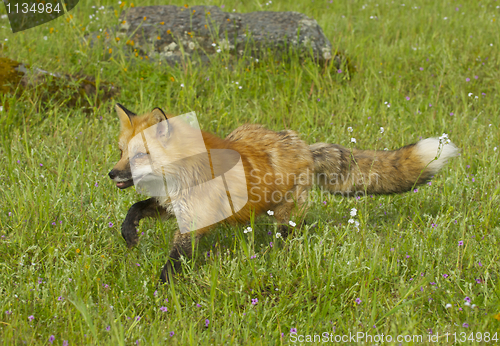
(65, 342)
(207, 322)
(164, 309)
(255, 301)
(293, 330)
(461, 243)
(60, 298)
(198, 305)
(467, 299)
(110, 224)
(339, 71)
(358, 301)
(171, 333)
(108, 328)
(52, 338)
(445, 275)
(407, 98)
(31, 317)
(465, 325)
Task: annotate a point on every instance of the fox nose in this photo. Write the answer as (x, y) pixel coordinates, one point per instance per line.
(112, 174)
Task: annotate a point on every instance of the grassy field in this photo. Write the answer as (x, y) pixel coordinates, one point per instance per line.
(423, 68)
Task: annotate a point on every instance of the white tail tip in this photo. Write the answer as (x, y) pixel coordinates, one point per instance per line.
(430, 148)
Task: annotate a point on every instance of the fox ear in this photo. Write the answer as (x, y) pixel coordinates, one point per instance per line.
(124, 114)
(163, 126)
(158, 114)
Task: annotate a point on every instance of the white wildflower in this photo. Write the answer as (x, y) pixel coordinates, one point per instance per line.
(278, 235)
(353, 140)
(248, 229)
(382, 130)
(448, 306)
(351, 221)
(349, 129)
(292, 223)
(270, 212)
(444, 139)
(353, 211)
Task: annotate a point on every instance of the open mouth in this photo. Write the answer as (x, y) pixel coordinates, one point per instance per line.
(125, 184)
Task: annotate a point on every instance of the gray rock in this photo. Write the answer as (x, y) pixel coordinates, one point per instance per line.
(199, 32)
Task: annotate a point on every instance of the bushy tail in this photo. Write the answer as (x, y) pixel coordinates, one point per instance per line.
(341, 170)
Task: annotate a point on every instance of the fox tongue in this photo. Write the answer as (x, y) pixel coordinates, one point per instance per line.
(125, 184)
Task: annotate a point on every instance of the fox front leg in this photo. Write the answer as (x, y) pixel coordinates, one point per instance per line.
(138, 211)
(182, 247)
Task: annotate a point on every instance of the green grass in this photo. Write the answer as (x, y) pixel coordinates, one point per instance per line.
(60, 222)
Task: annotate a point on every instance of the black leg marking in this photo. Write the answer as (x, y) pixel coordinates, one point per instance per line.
(138, 211)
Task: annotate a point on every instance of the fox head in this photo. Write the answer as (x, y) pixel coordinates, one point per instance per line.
(149, 145)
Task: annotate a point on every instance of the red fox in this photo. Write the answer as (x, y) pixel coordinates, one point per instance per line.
(269, 159)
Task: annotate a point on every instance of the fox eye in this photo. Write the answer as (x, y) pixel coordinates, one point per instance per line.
(121, 153)
(139, 155)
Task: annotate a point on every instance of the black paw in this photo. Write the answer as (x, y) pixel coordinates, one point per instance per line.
(129, 233)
